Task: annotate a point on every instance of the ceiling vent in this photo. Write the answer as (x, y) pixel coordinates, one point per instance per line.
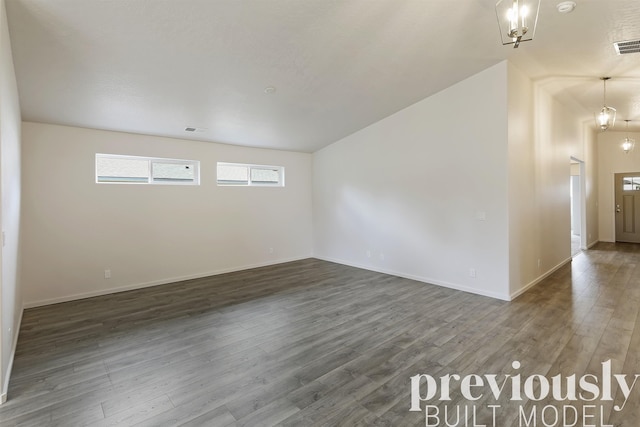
(631, 46)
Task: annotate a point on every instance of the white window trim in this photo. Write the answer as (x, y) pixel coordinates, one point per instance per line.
(194, 163)
(250, 183)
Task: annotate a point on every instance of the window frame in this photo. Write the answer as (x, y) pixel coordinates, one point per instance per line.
(195, 164)
(250, 182)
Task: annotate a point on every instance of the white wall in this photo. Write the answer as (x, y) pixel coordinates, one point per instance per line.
(592, 162)
(404, 195)
(576, 205)
(10, 293)
(74, 229)
(409, 190)
(576, 199)
(612, 160)
(543, 136)
(523, 202)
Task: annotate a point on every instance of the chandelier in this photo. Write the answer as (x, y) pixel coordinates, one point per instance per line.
(517, 20)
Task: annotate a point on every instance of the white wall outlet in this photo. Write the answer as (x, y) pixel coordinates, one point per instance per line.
(472, 272)
(481, 215)
(381, 256)
(270, 250)
(107, 274)
(539, 263)
(368, 253)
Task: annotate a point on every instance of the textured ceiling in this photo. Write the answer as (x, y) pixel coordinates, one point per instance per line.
(158, 66)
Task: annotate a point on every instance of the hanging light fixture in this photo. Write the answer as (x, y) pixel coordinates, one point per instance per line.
(607, 116)
(628, 143)
(517, 20)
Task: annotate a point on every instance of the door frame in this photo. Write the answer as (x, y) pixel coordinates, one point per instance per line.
(613, 205)
(583, 202)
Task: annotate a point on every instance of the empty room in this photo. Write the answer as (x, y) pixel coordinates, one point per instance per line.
(319, 213)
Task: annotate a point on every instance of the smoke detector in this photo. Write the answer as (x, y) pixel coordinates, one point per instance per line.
(566, 6)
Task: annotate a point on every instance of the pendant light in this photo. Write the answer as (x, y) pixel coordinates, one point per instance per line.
(607, 116)
(517, 20)
(628, 143)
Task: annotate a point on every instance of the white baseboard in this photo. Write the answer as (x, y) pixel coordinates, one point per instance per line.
(83, 295)
(427, 280)
(539, 279)
(14, 345)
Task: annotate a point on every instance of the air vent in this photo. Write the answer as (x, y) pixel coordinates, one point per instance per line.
(630, 46)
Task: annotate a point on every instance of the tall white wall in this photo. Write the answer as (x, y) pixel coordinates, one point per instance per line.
(612, 160)
(523, 201)
(408, 194)
(10, 292)
(74, 229)
(543, 136)
(576, 205)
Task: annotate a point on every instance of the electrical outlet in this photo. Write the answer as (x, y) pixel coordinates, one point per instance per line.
(107, 274)
(539, 263)
(270, 250)
(368, 254)
(472, 272)
(381, 256)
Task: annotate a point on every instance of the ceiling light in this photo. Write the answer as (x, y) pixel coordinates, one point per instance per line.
(517, 20)
(606, 118)
(566, 6)
(628, 143)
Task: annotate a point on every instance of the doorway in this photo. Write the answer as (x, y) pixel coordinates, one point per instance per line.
(627, 208)
(577, 191)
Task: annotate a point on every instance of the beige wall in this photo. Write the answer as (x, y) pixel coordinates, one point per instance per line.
(10, 292)
(612, 160)
(406, 194)
(543, 136)
(523, 203)
(74, 229)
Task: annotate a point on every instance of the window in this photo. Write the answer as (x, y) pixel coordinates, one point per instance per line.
(113, 168)
(631, 183)
(253, 175)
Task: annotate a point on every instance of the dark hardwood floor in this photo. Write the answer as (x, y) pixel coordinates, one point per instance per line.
(315, 343)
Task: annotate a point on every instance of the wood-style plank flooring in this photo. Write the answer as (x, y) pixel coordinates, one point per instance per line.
(313, 343)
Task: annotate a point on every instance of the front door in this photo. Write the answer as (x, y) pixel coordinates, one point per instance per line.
(628, 207)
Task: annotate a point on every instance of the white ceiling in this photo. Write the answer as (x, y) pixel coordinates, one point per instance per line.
(158, 66)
